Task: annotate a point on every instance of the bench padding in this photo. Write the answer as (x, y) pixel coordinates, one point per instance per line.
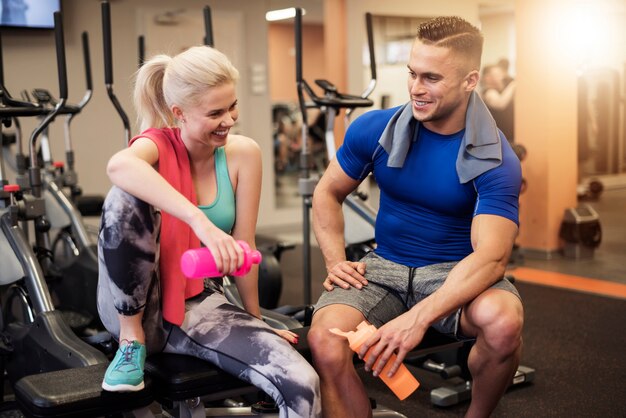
(75, 393)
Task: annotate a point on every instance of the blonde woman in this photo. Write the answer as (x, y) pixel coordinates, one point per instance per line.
(186, 181)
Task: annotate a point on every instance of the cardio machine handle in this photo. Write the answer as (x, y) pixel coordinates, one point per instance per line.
(298, 45)
(1, 64)
(34, 171)
(370, 44)
(337, 100)
(300, 83)
(9, 107)
(208, 27)
(72, 110)
(106, 42)
(60, 47)
(372, 83)
(87, 60)
(141, 49)
(108, 68)
(332, 97)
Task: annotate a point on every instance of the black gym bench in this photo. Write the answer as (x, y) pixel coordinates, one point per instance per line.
(181, 384)
(77, 393)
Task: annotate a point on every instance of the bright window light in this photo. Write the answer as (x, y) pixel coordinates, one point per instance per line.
(588, 31)
(282, 14)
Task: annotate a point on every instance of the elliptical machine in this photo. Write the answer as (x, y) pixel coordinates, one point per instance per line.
(35, 334)
(73, 248)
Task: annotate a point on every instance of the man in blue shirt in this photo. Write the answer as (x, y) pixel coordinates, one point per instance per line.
(448, 218)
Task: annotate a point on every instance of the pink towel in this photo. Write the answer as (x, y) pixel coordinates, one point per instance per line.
(176, 236)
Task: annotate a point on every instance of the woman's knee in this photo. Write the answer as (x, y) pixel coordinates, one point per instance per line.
(124, 215)
(309, 376)
(302, 396)
(127, 249)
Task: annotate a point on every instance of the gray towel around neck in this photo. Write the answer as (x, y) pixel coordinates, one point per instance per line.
(480, 149)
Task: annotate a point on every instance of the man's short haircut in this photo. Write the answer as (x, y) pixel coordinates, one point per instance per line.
(455, 33)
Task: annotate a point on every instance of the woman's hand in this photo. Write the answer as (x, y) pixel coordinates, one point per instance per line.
(290, 336)
(228, 255)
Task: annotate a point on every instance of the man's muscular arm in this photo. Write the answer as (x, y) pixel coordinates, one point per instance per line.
(492, 239)
(328, 225)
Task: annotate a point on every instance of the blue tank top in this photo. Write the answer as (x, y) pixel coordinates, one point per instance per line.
(222, 211)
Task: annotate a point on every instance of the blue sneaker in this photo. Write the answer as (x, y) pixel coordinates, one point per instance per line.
(125, 373)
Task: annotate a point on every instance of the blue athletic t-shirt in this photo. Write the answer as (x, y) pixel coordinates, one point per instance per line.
(425, 213)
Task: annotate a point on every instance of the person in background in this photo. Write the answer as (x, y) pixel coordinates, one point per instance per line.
(505, 65)
(449, 186)
(499, 96)
(186, 181)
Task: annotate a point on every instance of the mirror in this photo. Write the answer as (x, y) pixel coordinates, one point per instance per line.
(286, 117)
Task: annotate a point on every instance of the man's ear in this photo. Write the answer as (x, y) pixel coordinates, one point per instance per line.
(472, 80)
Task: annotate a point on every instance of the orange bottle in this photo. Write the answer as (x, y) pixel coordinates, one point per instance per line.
(402, 383)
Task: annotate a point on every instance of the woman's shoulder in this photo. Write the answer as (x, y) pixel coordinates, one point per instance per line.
(241, 141)
(242, 145)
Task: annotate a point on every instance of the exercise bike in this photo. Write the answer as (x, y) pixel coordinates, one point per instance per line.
(73, 280)
(36, 335)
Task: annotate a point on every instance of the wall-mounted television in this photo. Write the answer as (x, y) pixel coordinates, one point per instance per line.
(29, 14)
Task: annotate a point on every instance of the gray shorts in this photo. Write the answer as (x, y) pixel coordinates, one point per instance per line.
(394, 288)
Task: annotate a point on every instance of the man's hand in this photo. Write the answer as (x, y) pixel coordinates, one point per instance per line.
(346, 274)
(399, 336)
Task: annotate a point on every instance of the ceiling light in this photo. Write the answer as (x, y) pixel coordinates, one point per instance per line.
(282, 14)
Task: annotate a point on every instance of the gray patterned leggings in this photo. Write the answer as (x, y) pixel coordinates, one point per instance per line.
(213, 329)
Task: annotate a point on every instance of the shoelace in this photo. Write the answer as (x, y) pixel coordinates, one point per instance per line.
(128, 353)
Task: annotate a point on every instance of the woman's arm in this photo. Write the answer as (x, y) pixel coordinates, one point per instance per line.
(244, 156)
(244, 160)
(132, 170)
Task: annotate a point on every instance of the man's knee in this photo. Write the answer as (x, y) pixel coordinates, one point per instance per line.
(331, 352)
(505, 333)
(328, 350)
(499, 320)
